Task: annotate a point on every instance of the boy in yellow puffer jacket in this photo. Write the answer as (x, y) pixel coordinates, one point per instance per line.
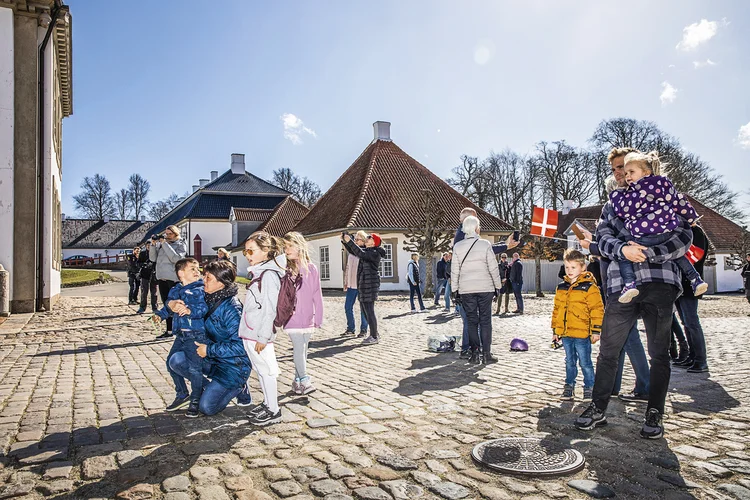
(577, 320)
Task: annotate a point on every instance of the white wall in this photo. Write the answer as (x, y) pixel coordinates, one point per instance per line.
(727, 280)
(6, 139)
(52, 177)
(336, 261)
(213, 234)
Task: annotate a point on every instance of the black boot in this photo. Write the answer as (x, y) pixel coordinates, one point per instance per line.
(673, 349)
(684, 352)
(476, 358)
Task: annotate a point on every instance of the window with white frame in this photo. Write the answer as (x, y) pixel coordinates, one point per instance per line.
(386, 263)
(325, 263)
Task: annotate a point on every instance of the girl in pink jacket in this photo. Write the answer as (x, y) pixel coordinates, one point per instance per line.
(308, 315)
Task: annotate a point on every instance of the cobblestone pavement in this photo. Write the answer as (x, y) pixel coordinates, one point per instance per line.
(83, 390)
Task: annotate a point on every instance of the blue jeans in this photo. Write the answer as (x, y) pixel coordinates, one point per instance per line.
(183, 363)
(578, 351)
(688, 307)
(351, 298)
(438, 288)
(215, 396)
(628, 272)
(448, 294)
(414, 290)
(634, 349)
(519, 297)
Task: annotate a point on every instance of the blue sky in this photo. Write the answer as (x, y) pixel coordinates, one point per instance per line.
(170, 89)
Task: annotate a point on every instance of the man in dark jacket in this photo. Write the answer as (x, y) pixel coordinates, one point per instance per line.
(440, 274)
(507, 289)
(447, 278)
(687, 307)
(746, 277)
(368, 278)
(134, 281)
(148, 280)
(516, 280)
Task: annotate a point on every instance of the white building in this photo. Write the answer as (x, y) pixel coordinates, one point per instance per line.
(35, 52)
(381, 192)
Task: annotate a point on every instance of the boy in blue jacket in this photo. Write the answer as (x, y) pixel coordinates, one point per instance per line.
(189, 328)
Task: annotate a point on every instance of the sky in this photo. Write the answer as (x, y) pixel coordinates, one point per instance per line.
(171, 89)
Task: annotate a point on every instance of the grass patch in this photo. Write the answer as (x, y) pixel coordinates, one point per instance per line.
(241, 280)
(80, 277)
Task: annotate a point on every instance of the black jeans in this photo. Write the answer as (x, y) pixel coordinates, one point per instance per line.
(164, 287)
(478, 308)
(369, 309)
(148, 287)
(415, 290)
(135, 282)
(655, 305)
(519, 297)
(688, 307)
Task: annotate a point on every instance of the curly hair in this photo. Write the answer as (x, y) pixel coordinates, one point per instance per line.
(617, 152)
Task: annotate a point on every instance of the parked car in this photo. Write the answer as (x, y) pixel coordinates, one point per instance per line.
(78, 260)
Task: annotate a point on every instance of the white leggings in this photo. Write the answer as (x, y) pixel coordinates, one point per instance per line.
(265, 365)
(300, 337)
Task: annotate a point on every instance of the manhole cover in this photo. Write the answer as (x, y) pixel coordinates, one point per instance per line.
(527, 456)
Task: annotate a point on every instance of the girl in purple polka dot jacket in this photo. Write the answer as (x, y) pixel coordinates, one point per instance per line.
(649, 207)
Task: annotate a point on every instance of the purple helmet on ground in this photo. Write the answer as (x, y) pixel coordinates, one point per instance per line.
(519, 345)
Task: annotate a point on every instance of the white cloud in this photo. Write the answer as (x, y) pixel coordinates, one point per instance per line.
(294, 128)
(698, 33)
(743, 137)
(668, 93)
(703, 64)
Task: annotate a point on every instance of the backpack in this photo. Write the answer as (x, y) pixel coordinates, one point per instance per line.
(287, 297)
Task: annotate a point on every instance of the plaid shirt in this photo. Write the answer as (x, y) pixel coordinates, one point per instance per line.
(659, 267)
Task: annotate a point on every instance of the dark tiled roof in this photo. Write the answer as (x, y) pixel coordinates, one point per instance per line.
(285, 217)
(87, 233)
(252, 214)
(564, 221)
(202, 205)
(721, 232)
(242, 183)
(381, 191)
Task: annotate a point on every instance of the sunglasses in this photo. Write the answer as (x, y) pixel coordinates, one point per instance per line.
(247, 251)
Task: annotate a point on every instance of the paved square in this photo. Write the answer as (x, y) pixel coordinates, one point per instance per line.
(83, 391)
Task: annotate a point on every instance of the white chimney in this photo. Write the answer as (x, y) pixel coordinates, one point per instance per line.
(203, 182)
(63, 216)
(567, 205)
(238, 163)
(195, 187)
(214, 175)
(143, 218)
(382, 131)
(106, 218)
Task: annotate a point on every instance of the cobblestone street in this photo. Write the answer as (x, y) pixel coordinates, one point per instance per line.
(83, 391)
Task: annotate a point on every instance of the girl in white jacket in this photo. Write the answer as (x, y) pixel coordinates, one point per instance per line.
(265, 253)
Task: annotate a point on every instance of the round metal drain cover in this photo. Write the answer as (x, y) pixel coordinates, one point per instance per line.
(528, 457)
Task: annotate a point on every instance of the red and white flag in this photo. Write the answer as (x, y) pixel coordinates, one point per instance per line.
(694, 254)
(544, 222)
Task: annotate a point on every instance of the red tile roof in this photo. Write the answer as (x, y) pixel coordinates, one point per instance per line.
(564, 221)
(252, 214)
(284, 218)
(381, 191)
(721, 232)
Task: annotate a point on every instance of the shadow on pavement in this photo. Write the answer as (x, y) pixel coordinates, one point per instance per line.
(100, 347)
(442, 372)
(100, 318)
(708, 396)
(332, 346)
(616, 455)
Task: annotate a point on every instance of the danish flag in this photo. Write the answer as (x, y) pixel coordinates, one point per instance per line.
(694, 254)
(544, 222)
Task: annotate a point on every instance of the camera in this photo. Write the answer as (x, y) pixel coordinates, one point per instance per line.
(346, 233)
(154, 237)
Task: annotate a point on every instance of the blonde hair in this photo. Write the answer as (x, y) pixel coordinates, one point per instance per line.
(573, 255)
(617, 152)
(301, 265)
(466, 212)
(267, 243)
(647, 161)
(175, 230)
(222, 250)
(361, 234)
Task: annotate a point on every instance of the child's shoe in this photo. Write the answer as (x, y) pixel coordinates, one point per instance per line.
(306, 386)
(179, 403)
(192, 411)
(588, 393)
(699, 286)
(296, 387)
(567, 394)
(628, 293)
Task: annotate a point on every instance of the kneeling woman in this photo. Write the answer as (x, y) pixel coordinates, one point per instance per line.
(225, 360)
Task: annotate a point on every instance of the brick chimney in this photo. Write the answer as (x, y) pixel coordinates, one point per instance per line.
(238, 163)
(382, 131)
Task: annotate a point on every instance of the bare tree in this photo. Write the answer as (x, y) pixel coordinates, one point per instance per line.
(303, 189)
(122, 204)
(162, 207)
(308, 193)
(138, 189)
(286, 179)
(430, 237)
(565, 173)
(740, 249)
(472, 181)
(95, 201)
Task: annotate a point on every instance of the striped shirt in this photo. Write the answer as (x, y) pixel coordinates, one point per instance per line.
(659, 266)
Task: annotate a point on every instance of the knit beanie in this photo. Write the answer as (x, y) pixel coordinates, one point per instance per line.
(375, 239)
